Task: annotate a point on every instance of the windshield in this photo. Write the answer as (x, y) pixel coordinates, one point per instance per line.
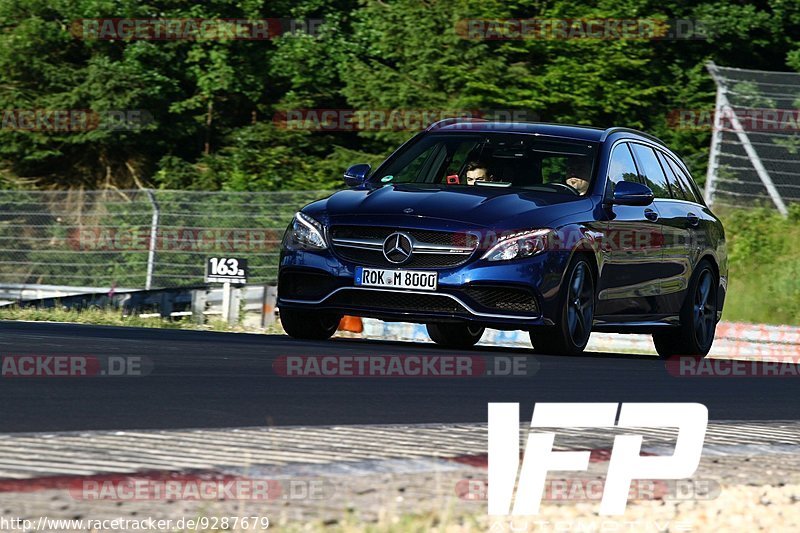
(494, 160)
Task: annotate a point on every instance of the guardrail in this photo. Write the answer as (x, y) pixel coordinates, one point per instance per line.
(253, 305)
(15, 292)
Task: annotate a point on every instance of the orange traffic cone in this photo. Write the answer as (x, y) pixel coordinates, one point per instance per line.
(351, 323)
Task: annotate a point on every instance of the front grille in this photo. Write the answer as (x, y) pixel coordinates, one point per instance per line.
(300, 285)
(515, 300)
(374, 257)
(396, 301)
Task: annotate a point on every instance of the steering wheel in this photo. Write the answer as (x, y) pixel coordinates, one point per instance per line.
(570, 188)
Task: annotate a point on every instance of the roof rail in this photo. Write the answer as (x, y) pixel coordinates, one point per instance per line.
(653, 138)
(454, 120)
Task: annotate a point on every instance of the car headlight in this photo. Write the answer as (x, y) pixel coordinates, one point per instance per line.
(518, 245)
(306, 233)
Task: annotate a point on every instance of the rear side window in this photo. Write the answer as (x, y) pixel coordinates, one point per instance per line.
(686, 182)
(621, 167)
(651, 170)
(672, 179)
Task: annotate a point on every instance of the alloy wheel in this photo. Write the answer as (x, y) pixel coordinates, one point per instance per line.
(580, 304)
(705, 309)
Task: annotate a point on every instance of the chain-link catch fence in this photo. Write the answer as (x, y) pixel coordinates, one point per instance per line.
(755, 147)
(140, 238)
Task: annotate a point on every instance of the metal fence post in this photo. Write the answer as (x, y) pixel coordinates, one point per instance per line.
(199, 299)
(231, 299)
(716, 140)
(235, 305)
(151, 254)
(226, 301)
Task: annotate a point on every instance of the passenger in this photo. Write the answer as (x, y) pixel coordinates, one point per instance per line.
(477, 171)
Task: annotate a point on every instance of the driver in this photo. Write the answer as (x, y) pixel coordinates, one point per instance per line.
(578, 170)
(477, 171)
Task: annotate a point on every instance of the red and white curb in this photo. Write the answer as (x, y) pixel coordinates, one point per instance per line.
(733, 339)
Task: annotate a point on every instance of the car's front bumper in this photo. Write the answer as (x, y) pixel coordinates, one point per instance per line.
(507, 295)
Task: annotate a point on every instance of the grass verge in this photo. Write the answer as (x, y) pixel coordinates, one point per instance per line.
(764, 256)
(113, 317)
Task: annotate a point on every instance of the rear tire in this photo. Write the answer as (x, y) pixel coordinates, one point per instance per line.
(571, 335)
(462, 336)
(698, 317)
(309, 325)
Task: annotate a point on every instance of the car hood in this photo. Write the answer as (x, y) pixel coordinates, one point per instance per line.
(454, 207)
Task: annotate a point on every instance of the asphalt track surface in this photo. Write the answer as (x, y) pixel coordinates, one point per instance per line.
(215, 380)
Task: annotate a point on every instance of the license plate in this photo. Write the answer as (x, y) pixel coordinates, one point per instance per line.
(396, 279)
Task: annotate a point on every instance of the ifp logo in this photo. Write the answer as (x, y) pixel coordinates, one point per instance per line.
(626, 463)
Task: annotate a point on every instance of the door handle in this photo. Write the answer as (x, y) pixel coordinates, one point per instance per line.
(650, 215)
(693, 220)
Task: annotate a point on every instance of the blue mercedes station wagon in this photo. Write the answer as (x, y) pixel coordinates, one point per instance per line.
(556, 230)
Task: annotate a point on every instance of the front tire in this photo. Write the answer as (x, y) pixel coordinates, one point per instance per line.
(571, 335)
(698, 317)
(462, 336)
(309, 325)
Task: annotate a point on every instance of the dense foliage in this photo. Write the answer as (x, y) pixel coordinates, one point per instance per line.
(211, 103)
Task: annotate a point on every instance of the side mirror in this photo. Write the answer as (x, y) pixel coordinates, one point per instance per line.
(356, 175)
(631, 193)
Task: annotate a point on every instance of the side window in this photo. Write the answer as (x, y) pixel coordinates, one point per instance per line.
(686, 182)
(621, 167)
(672, 179)
(651, 171)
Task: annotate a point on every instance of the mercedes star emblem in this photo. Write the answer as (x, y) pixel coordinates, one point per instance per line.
(397, 248)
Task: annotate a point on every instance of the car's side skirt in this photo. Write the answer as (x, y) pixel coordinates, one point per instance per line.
(635, 324)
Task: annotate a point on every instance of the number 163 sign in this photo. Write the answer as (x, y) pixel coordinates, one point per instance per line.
(226, 270)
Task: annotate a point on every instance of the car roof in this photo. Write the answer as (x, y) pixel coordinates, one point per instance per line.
(582, 133)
